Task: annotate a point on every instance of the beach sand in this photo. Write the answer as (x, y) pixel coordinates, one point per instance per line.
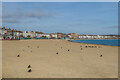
(45, 63)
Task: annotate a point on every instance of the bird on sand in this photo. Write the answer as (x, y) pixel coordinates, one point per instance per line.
(101, 55)
(57, 53)
(18, 55)
(29, 70)
(29, 66)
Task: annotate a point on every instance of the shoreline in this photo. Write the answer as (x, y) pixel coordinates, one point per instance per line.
(62, 40)
(94, 44)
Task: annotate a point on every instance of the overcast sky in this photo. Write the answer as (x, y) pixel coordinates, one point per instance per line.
(66, 17)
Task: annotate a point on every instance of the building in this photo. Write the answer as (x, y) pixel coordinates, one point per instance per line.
(17, 34)
(46, 35)
(39, 34)
(53, 35)
(26, 34)
(7, 33)
(73, 35)
(65, 36)
(59, 35)
(32, 34)
(1, 33)
(83, 36)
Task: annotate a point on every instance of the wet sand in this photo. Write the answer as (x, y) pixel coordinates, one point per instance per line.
(58, 59)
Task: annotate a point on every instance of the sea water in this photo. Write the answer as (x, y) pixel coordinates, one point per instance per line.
(111, 42)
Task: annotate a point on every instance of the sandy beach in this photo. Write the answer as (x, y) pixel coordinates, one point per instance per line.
(58, 59)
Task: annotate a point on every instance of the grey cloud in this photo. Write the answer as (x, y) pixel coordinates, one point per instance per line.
(19, 14)
(32, 14)
(38, 14)
(115, 26)
(10, 21)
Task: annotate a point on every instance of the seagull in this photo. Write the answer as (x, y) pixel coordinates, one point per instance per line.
(29, 70)
(100, 55)
(18, 55)
(29, 66)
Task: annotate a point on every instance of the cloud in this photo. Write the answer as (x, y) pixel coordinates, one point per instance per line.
(38, 15)
(27, 14)
(10, 21)
(115, 26)
(20, 14)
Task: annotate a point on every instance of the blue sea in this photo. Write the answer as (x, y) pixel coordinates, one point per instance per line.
(110, 42)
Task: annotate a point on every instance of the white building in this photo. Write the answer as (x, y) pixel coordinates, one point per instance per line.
(83, 36)
(1, 33)
(25, 34)
(53, 35)
(32, 34)
(38, 34)
(73, 35)
(47, 35)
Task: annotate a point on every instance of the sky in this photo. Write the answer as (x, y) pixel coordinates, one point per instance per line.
(66, 17)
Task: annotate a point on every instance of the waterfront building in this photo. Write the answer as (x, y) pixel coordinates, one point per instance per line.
(1, 33)
(32, 34)
(73, 35)
(53, 35)
(38, 34)
(26, 34)
(83, 36)
(17, 34)
(46, 35)
(59, 35)
(7, 33)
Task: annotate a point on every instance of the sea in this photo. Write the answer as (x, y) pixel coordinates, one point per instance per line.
(110, 42)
